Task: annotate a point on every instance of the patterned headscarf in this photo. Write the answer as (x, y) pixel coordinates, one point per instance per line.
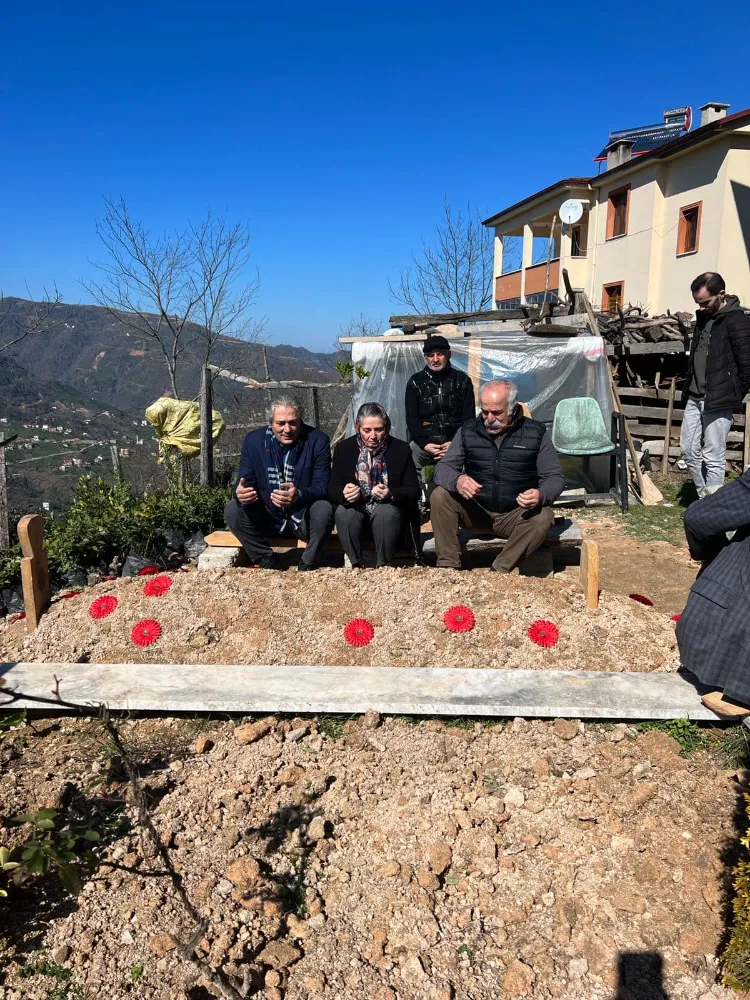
(371, 466)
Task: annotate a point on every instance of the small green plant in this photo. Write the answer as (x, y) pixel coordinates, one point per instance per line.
(292, 888)
(735, 747)
(460, 722)
(735, 961)
(64, 988)
(464, 949)
(50, 849)
(332, 726)
(136, 972)
(688, 734)
(346, 369)
(11, 722)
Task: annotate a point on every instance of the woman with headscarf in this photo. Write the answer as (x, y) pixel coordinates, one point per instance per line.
(373, 482)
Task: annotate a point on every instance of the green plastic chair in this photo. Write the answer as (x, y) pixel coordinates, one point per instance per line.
(579, 428)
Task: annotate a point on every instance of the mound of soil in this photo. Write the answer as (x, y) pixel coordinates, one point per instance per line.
(262, 616)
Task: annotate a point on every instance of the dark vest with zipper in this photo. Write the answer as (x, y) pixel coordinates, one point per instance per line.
(441, 403)
(504, 470)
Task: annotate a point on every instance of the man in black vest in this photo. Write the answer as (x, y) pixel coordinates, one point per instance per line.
(438, 400)
(500, 474)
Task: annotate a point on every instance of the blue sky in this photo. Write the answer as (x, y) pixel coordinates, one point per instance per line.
(336, 131)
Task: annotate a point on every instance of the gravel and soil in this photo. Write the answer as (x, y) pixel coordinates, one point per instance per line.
(263, 616)
(383, 860)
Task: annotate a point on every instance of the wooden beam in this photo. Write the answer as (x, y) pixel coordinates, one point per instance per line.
(589, 573)
(474, 365)
(668, 429)
(663, 347)
(206, 410)
(35, 580)
(415, 320)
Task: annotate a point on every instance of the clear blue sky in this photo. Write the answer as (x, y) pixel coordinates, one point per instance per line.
(335, 130)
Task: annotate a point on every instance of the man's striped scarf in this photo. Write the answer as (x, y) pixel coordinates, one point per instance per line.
(280, 469)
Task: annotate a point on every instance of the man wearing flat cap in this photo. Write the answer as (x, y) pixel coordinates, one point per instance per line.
(438, 400)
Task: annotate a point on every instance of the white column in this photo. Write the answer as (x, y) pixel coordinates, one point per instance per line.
(498, 269)
(527, 255)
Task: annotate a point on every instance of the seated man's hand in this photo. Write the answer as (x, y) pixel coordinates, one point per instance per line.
(529, 499)
(285, 495)
(436, 450)
(380, 492)
(468, 487)
(246, 494)
(352, 492)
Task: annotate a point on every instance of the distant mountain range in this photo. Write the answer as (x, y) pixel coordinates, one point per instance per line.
(95, 355)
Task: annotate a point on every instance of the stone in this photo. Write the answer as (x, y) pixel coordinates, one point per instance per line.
(195, 545)
(565, 729)
(203, 744)
(222, 557)
(584, 774)
(161, 944)
(253, 731)
(618, 733)
(295, 735)
(317, 829)
(290, 775)
(642, 769)
(61, 955)
(280, 954)
(577, 968)
(519, 979)
(390, 869)
(427, 879)
(622, 845)
(371, 719)
(412, 970)
(623, 897)
(244, 873)
(273, 978)
(440, 856)
(514, 797)
(385, 993)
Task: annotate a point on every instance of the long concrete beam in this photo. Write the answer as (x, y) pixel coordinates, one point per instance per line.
(166, 687)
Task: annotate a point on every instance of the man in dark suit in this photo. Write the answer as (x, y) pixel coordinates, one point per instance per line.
(713, 631)
(282, 486)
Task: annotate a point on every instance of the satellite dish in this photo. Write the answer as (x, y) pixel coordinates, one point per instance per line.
(571, 211)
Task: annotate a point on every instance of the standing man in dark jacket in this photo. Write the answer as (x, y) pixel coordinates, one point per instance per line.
(501, 474)
(282, 486)
(718, 378)
(438, 400)
(713, 631)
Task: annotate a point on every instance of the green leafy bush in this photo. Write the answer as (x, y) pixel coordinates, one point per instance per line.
(688, 734)
(736, 958)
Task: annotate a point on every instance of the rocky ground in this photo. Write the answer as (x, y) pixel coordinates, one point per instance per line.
(262, 616)
(384, 859)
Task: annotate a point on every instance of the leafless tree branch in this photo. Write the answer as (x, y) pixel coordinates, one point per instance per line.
(40, 319)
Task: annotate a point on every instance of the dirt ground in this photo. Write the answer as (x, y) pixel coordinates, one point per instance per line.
(392, 861)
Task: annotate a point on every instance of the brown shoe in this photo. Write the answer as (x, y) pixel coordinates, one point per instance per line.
(729, 709)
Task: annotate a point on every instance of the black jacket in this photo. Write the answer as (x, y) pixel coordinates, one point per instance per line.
(402, 474)
(728, 362)
(505, 470)
(437, 403)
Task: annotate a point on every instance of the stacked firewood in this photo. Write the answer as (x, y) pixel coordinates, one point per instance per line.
(634, 326)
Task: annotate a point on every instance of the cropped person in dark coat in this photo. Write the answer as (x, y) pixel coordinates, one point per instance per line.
(282, 486)
(713, 632)
(373, 481)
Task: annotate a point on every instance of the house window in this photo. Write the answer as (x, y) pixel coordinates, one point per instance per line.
(618, 206)
(612, 297)
(688, 228)
(577, 244)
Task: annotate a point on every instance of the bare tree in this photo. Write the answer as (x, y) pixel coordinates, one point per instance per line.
(361, 326)
(18, 324)
(185, 290)
(453, 272)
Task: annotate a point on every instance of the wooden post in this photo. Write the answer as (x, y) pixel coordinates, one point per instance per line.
(315, 407)
(4, 529)
(116, 464)
(474, 365)
(34, 569)
(668, 429)
(207, 422)
(746, 445)
(589, 573)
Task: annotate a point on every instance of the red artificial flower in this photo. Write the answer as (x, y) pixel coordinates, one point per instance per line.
(459, 618)
(71, 593)
(149, 570)
(675, 618)
(18, 618)
(108, 578)
(545, 634)
(358, 632)
(156, 587)
(145, 632)
(641, 599)
(103, 606)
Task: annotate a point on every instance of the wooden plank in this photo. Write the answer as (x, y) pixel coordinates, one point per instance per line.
(668, 429)
(315, 406)
(205, 687)
(438, 319)
(589, 573)
(663, 347)
(640, 430)
(4, 526)
(206, 410)
(660, 412)
(35, 580)
(657, 448)
(474, 365)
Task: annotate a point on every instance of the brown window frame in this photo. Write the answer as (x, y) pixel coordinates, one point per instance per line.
(611, 235)
(578, 229)
(682, 228)
(605, 295)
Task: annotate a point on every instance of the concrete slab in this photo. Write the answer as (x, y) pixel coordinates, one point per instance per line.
(222, 557)
(538, 564)
(394, 690)
(564, 532)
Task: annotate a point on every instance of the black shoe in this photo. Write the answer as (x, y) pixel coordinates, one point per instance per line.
(268, 562)
(303, 567)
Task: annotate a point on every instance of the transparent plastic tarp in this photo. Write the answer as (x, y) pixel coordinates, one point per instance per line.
(546, 370)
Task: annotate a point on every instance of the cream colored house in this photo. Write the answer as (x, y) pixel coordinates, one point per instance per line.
(651, 221)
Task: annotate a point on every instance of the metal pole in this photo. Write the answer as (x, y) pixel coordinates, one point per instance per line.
(315, 407)
(207, 439)
(116, 464)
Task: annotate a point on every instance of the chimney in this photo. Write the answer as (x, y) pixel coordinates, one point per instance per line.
(619, 152)
(712, 112)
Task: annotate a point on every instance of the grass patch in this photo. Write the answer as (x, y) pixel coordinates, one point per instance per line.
(735, 747)
(63, 988)
(735, 962)
(332, 726)
(662, 523)
(688, 734)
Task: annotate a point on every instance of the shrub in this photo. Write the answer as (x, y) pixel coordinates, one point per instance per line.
(736, 959)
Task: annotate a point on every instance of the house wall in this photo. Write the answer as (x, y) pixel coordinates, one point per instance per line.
(734, 252)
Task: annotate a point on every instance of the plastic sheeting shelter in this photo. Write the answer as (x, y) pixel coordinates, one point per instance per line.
(546, 370)
(177, 422)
